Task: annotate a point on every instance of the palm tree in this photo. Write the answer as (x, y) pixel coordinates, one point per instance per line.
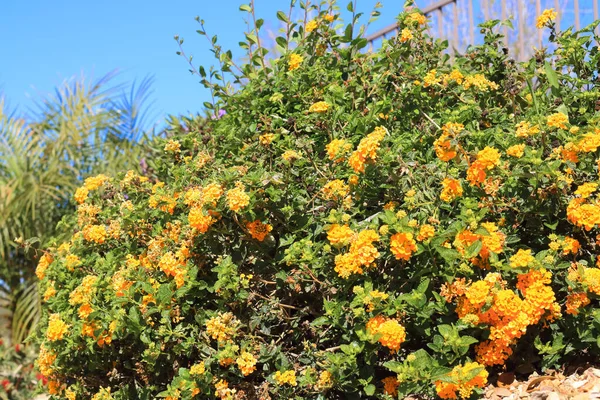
(82, 129)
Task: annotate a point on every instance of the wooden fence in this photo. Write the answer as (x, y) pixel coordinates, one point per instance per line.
(457, 20)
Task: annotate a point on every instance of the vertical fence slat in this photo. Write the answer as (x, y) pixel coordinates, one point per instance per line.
(596, 12)
(576, 10)
(521, 30)
(455, 25)
(558, 14)
(538, 11)
(440, 21)
(471, 23)
(505, 29)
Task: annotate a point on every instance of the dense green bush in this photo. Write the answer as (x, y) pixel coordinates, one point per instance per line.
(357, 225)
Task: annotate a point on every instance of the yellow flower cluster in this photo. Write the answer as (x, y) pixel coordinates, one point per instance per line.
(291, 156)
(367, 149)
(362, 253)
(57, 328)
(524, 129)
(285, 378)
(337, 149)
(45, 261)
(547, 16)
(246, 362)
(340, 235)
(222, 327)
(237, 198)
(522, 259)
(95, 233)
(335, 190)
(391, 334)
(557, 120)
(463, 381)
(319, 107)
(295, 61)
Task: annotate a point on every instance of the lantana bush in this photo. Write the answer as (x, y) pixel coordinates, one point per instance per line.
(348, 224)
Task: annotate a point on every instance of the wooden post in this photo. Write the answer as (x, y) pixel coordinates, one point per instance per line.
(558, 12)
(455, 26)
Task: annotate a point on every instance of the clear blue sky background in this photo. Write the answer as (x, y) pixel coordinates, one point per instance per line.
(45, 42)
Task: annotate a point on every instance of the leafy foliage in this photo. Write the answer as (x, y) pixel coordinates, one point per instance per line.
(83, 128)
(356, 225)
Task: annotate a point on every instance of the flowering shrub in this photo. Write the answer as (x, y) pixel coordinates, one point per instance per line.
(355, 225)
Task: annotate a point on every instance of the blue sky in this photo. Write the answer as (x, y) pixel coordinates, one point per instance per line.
(44, 42)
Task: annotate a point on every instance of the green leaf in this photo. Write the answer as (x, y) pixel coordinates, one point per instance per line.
(282, 17)
(370, 389)
(245, 7)
(551, 75)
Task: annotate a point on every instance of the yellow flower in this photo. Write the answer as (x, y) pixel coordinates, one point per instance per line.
(586, 189)
(266, 139)
(335, 190)
(557, 120)
(521, 259)
(295, 61)
(329, 18)
(287, 377)
(340, 235)
(173, 146)
(311, 26)
(94, 182)
(367, 149)
(547, 16)
(45, 261)
(516, 150)
(489, 157)
(525, 129)
(324, 380)
(337, 148)
(426, 232)
(57, 328)
(81, 194)
(391, 333)
(246, 362)
(319, 107)
(406, 35)
(417, 18)
(222, 327)
(291, 156)
(198, 369)
(237, 198)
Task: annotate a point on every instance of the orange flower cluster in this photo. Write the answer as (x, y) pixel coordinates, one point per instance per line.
(576, 301)
(57, 328)
(391, 333)
(463, 381)
(246, 362)
(487, 159)
(507, 314)
(367, 150)
(173, 265)
(492, 242)
(402, 245)
(444, 149)
(362, 253)
(451, 189)
(258, 230)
